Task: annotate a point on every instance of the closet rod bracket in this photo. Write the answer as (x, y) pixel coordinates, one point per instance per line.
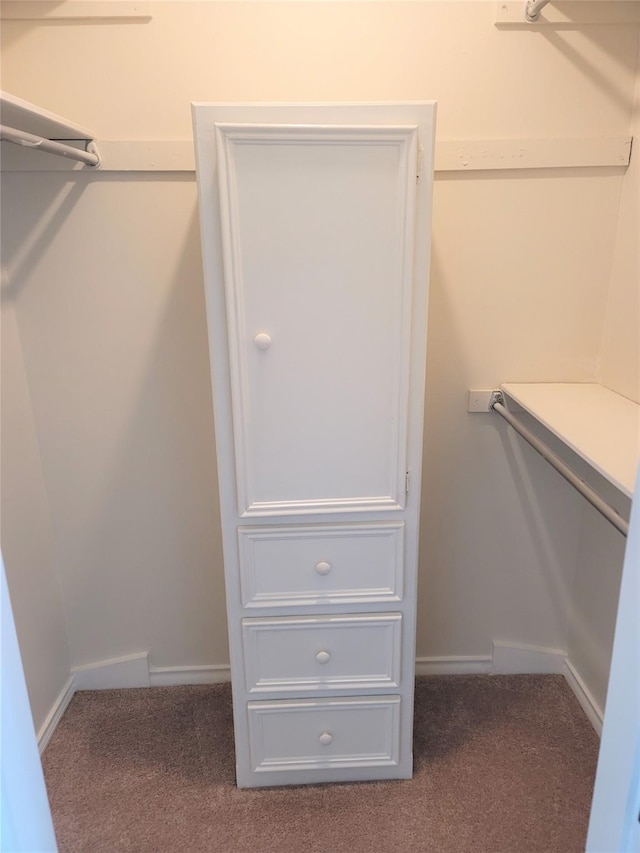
(92, 148)
(532, 10)
(496, 397)
(89, 155)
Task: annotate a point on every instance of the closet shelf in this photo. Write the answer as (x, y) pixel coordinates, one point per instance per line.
(25, 123)
(33, 119)
(600, 426)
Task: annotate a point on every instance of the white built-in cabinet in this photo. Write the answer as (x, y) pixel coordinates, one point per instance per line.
(315, 223)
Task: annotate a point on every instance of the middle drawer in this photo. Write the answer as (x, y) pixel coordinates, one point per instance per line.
(350, 652)
(321, 564)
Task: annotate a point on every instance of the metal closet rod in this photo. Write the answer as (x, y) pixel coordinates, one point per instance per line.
(90, 157)
(561, 467)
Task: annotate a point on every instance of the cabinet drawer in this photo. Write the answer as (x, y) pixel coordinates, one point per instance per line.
(329, 652)
(324, 733)
(321, 564)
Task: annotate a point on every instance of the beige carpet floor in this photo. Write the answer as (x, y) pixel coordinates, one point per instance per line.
(503, 764)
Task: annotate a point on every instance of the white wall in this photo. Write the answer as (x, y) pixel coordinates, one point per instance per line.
(620, 352)
(27, 535)
(600, 556)
(490, 83)
(111, 316)
(112, 325)
(500, 529)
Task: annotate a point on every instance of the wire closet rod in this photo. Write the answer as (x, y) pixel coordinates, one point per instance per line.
(562, 468)
(90, 157)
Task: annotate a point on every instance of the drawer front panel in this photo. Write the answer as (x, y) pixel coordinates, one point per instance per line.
(330, 652)
(321, 564)
(324, 733)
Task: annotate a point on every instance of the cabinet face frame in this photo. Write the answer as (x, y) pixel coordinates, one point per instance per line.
(406, 512)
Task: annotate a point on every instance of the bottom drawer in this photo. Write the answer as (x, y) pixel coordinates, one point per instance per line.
(316, 734)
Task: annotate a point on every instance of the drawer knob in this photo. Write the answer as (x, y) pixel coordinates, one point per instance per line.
(325, 738)
(323, 568)
(262, 340)
(323, 657)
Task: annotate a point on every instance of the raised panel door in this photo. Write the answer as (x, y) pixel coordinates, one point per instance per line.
(317, 230)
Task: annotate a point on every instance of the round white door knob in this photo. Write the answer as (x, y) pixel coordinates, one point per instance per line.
(262, 340)
(323, 657)
(323, 568)
(325, 738)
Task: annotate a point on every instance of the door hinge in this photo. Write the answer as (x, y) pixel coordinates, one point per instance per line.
(419, 163)
(407, 482)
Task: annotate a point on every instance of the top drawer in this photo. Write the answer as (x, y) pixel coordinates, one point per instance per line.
(321, 564)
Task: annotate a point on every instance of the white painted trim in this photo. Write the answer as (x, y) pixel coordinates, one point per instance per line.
(451, 155)
(169, 676)
(74, 10)
(616, 796)
(126, 671)
(454, 665)
(583, 695)
(119, 672)
(24, 808)
(470, 155)
(520, 659)
(55, 714)
(516, 658)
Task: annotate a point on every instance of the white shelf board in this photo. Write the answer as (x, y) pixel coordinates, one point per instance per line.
(602, 427)
(14, 112)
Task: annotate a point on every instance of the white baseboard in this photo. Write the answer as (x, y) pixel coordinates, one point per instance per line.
(134, 671)
(519, 659)
(514, 659)
(163, 676)
(506, 659)
(55, 714)
(126, 671)
(453, 665)
(588, 704)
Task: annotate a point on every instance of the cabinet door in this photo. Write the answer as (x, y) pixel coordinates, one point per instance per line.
(317, 228)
